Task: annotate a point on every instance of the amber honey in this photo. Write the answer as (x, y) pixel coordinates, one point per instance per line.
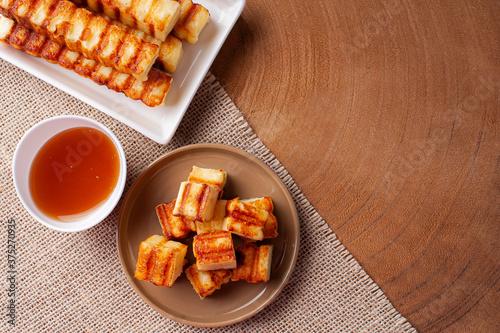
(74, 172)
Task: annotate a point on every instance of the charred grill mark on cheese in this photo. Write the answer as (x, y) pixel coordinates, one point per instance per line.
(103, 40)
(190, 14)
(194, 200)
(5, 13)
(165, 269)
(246, 216)
(161, 212)
(80, 3)
(151, 262)
(114, 10)
(271, 225)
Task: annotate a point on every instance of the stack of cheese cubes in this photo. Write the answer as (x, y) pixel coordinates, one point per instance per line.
(199, 208)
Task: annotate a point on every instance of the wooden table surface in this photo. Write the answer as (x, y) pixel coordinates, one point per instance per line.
(387, 115)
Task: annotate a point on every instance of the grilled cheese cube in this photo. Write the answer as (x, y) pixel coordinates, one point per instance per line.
(147, 254)
(266, 203)
(254, 263)
(195, 201)
(271, 227)
(245, 220)
(173, 227)
(160, 261)
(215, 224)
(193, 18)
(168, 266)
(206, 282)
(214, 250)
(214, 177)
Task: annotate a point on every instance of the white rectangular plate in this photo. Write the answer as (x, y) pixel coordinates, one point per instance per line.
(159, 123)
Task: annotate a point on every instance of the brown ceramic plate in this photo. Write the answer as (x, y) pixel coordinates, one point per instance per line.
(248, 177)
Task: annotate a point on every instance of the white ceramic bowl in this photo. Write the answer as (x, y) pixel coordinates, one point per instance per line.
(26, 151)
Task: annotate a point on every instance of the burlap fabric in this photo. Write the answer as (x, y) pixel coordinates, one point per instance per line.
(73, 282)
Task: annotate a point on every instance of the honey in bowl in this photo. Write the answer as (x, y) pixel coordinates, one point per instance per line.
(73, 173)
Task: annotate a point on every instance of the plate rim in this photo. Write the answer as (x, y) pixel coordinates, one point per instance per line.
(295, 246)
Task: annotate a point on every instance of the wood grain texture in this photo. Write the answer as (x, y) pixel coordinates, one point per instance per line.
(386, 114)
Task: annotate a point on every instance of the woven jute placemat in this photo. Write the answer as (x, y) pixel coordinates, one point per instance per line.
(73, 282)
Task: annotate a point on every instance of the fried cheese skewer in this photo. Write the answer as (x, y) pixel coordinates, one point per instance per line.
(82, 32)
(194, 17)
(155, 17)
(151, 92)
(171, 50)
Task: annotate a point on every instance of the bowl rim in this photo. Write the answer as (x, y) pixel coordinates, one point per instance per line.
(38, 135)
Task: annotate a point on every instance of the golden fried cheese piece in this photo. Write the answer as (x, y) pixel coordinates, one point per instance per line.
(193, 18)
(173, 227)
(85, 33)
(254, 263)
(170, 55)
(147, 254)
(206, 282)
(160, 261)
(195, 201)
(245, 220)
(214, 177)
(215, 224)
(152, 92)
(154, 17)
(271, 227)
(266, 203)
(214, 250)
